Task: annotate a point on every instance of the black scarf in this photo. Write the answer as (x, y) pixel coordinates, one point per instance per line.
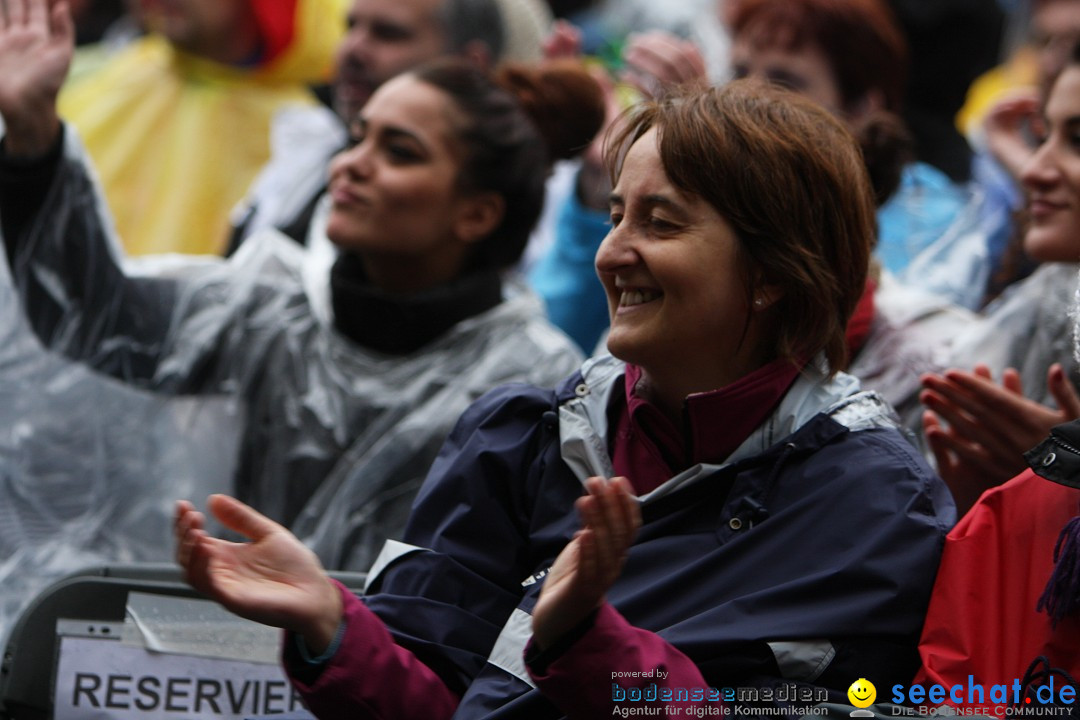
(401, 324)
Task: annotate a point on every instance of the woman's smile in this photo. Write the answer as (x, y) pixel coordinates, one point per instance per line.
(632, 297)
(343, 195)
(1041, 207)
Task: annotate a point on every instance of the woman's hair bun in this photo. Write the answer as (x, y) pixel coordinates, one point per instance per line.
(887, 147)
(563, 100)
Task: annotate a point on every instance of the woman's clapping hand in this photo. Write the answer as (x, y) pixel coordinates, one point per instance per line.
(589, 565)
(274, 579)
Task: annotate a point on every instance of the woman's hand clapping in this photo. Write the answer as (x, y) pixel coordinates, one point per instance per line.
(979, 430)
(274, 579)
(589, 565)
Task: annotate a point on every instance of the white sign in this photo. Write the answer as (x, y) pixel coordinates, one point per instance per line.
(102, 678)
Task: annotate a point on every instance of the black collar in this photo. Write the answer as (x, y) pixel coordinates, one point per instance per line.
(401, 324)
(1057, 458)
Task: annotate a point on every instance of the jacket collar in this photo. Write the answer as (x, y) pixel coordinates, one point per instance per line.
(1057, 458)
(583, 422)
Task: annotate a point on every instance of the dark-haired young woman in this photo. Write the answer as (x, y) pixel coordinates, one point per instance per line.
(342, 411)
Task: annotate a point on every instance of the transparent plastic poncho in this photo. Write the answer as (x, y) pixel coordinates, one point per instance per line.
(957, 265)
(1030, 327)
(909, 336)
(213, 374)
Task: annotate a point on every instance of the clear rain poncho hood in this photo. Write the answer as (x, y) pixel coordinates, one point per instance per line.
(221, 362)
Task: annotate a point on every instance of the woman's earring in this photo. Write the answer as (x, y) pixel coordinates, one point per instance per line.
(759, 303)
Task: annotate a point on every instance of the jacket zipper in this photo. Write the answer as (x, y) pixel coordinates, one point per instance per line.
(1065, 445)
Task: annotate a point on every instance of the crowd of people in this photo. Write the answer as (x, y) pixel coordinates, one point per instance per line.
(615, 352)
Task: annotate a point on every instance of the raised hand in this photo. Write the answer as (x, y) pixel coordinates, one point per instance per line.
(274, 579)
(590, 563)
(979, 430)
(1006, 126)
(563, 42)
(36, 45)
(657, 62)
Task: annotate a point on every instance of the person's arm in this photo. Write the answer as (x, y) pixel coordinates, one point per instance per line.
(36, 47)
(61, 258)
(55, 230)
(590, 563)
(24, 183)
(433, 609)
(608, 646)
(366, 674)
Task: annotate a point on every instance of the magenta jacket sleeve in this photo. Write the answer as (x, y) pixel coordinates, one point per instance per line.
(616, 664)
(369, 675)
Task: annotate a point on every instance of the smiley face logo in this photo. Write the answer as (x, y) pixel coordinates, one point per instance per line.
(862, 693)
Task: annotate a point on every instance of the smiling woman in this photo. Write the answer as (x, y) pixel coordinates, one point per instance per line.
(1018, 627)
(715, 505)
(1052, 176)
(407, 195)
(738, 278)
(978, 429)
(673, 277)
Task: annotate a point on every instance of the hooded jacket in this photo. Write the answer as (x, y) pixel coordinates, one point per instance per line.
(807, 557)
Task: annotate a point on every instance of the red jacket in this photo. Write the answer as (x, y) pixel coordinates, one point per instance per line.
(982, 619)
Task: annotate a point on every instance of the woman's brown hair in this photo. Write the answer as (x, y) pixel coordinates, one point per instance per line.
(790, 180)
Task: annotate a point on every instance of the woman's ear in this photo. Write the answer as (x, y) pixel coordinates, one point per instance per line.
(765, 296)
(478, 216)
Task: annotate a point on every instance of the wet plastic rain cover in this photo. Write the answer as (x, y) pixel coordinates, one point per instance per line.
(203, 351)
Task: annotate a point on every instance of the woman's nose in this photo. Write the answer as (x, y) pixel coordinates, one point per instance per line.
(1041, 168)
(356, 161)
(615, 251)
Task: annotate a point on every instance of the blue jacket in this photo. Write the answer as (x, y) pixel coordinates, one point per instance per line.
(807, 557)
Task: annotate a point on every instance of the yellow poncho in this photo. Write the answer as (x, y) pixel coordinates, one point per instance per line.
(177, 139)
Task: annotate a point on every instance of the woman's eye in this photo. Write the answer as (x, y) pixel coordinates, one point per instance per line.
(354, 140)
(614, 219)
(661, 224)
(402, 153)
